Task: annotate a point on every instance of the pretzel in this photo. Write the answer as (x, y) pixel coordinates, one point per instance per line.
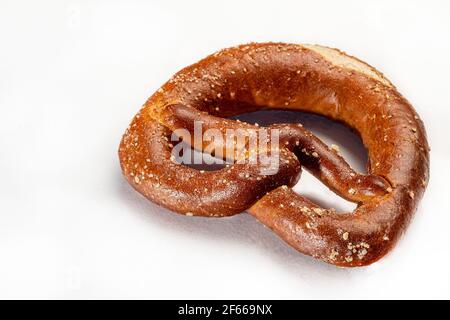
(308, 78)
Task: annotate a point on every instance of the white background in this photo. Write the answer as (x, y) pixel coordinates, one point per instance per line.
(72, 75)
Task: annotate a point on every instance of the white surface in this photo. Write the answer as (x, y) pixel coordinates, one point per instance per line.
(72, 75)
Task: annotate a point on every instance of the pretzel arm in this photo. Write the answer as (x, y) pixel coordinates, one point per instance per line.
(352, 239)
(329, 166)
(179, 117)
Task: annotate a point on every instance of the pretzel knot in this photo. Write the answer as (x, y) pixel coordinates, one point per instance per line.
(297, 77)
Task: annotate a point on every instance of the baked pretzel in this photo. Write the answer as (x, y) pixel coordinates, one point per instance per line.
(299, 77)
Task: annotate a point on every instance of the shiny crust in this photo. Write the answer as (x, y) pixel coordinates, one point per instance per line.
(298, 77)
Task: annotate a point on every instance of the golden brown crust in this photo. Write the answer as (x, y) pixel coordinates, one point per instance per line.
(308, 78)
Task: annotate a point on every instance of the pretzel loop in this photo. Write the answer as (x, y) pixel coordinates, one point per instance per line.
(299, 77)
